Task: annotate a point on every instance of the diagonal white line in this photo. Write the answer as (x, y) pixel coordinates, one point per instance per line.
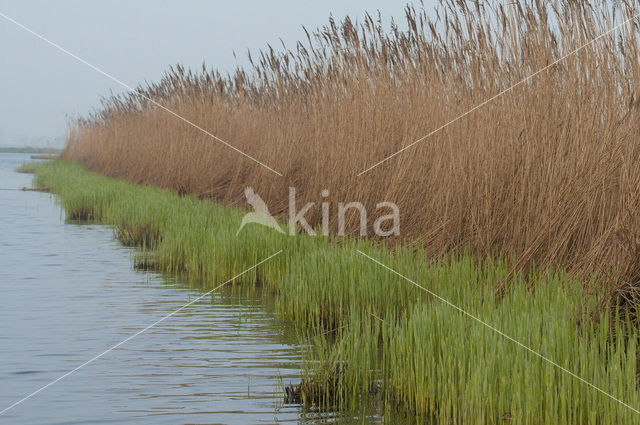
(499, 332)
(135, 335)
(604, 34)
(111, 77)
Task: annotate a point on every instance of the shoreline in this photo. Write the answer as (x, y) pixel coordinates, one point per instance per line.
(375, 332)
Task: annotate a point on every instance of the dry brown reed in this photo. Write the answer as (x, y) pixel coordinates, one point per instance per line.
(547, 173)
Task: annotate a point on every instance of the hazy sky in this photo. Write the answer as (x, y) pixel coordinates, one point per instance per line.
(135, 41)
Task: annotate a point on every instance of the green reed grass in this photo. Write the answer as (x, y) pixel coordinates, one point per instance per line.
(369, 333)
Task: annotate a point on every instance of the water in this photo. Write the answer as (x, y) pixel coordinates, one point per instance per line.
(68, 292)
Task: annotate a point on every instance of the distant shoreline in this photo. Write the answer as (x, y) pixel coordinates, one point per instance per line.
(27, 149)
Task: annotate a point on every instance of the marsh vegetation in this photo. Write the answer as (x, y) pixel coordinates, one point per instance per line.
(519, 203)
(368, 333)
(545, 173)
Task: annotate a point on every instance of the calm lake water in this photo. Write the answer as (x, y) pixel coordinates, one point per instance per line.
(68, 292)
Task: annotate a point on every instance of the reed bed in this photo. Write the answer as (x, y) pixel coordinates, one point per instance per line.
(546, 173)
(368, 333)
